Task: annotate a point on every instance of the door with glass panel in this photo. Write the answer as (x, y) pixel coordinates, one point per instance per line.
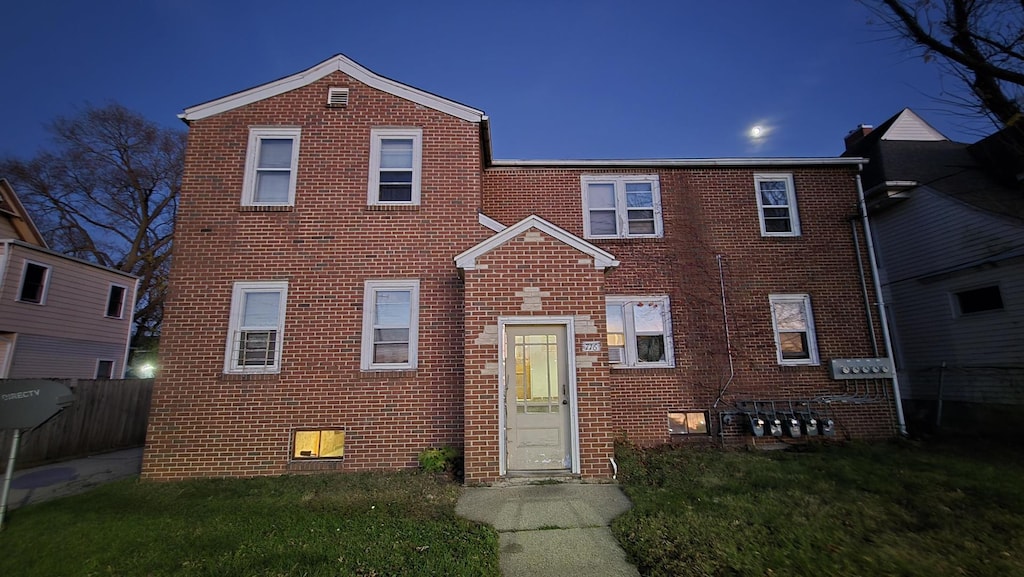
(537, 398)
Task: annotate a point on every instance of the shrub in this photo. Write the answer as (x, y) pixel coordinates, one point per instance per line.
(441, 460)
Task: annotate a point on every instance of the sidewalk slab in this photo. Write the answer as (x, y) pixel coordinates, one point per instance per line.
(57, 480)
(552, 529)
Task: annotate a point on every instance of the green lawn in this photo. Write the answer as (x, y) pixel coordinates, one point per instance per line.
(351, 524)
(892, 509)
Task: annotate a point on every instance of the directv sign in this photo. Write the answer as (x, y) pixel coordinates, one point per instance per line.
(28, 403)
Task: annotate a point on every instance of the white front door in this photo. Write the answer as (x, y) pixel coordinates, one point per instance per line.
(537, 411)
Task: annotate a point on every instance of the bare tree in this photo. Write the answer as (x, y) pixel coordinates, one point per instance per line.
(980, 42)
(107, 192)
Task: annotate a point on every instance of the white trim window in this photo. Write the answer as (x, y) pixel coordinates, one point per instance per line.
(776, 204)
(256, 329)
(390, 325)
(35, 280)
(793, 324)
(639, 331)
(271, 164)
(621, 206)
(395, 160)
(105, 368)
(115, 301)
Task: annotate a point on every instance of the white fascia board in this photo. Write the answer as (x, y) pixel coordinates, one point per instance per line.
(335, 63)
(602, 259)
(680, 162)
(490, 223)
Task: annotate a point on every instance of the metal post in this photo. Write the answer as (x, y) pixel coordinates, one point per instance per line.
(938, 408)
(8, 475)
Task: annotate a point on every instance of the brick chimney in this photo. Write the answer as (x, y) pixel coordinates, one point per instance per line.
(856, 135)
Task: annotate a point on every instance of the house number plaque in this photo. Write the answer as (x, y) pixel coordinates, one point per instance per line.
(591, 346)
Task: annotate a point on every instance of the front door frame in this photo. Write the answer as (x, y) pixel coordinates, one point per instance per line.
(570, 355)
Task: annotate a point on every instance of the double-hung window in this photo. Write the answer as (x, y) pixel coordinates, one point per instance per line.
(776, 203)
(793, 324)
(256, 327)
(639, 331)
(34, 280)
(390, 324)
(271, 165)
(621, 206)
(395, 158)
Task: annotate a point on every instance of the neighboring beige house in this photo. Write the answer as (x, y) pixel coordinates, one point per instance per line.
(60, 317)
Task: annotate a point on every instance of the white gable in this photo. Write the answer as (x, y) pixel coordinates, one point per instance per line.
(602, 259)
(910, 126)
(335, 63)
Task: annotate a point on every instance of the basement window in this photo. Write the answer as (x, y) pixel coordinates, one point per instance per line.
(319, 444)
(688, 423)
(979, 300)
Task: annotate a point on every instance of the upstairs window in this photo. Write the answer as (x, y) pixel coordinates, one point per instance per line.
(34, 280)
(115, 302)
(979, 300)
(639, 331)
(621, 206)
(395, 158)
(256, 327)
(390, 325)
(776, 203)
(793, 323)
(270, 167)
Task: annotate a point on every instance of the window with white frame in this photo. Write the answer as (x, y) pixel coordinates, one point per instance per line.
(621, 206)
(34, 280)
(395, 158)
(115, 301)
(639, 331)
(390, 324)
(256, 329)
(793, 323)
(271, 165)
(776, 203)
(104, 369)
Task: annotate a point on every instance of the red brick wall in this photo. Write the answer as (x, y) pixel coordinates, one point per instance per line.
(709, 212)
(574, 288)
(206, 423)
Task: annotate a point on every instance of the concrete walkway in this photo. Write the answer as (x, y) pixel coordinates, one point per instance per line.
(552, 529)
(71, 477)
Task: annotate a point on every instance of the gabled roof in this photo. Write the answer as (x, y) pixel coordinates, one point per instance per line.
(12, 209)
(907, 150)
(602, 259)
(335, 63)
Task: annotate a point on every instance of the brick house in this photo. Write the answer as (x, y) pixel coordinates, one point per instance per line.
(356, 279)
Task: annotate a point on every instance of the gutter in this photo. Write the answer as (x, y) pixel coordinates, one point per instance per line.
(680, 162)
(883, 318)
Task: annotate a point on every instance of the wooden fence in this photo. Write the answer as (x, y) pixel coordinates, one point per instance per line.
(107, 415)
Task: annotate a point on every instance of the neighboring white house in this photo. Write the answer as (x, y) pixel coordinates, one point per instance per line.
(60, 317)
(949, 234)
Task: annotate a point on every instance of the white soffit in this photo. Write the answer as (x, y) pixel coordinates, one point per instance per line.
(490, 223)
(910, 126)
(336, 63)
(602, 259)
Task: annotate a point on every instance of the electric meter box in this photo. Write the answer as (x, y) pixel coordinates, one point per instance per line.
(862, 368)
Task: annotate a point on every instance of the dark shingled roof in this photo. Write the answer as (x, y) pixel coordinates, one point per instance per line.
(945, 166)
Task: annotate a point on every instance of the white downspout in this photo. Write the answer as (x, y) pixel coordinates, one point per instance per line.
(883, 319)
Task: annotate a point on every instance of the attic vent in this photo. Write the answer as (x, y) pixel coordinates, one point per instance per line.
(337, 97)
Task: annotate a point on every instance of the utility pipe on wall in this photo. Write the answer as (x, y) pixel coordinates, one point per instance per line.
(883, 319)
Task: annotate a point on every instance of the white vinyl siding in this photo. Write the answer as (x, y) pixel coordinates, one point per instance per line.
(776, 204)
(271, 167)
(621, 206)
(395, 166)
(256, 331)
(54, 357)
(390, 325)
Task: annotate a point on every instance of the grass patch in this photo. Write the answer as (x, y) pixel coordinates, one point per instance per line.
(893, 509)
(372, 524)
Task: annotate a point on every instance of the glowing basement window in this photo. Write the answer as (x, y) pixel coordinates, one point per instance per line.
(326, 444)
(695, 423)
